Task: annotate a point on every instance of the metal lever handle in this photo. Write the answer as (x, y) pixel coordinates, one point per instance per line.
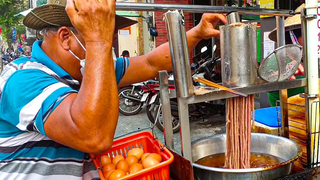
(233, 17)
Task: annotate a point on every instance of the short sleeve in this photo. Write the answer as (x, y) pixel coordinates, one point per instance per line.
(122, 65)
(28, 98)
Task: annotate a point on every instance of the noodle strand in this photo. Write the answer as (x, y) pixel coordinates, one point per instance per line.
(238, 130)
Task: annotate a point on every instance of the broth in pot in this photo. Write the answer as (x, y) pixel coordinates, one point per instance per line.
(257, 160)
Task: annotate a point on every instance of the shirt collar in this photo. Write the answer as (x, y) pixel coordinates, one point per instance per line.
(38, 54)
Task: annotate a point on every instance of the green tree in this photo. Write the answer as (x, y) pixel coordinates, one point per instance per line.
(8, 8)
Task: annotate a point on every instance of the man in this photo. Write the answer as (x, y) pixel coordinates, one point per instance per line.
(292, 36)
(48, 123)
(125, 53)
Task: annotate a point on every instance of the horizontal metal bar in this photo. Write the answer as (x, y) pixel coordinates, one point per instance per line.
(126, 6)
(267, 87)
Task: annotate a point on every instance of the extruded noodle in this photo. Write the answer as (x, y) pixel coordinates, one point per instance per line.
(238, 125)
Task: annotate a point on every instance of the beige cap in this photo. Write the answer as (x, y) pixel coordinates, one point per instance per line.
(54, 14)
(291, 23)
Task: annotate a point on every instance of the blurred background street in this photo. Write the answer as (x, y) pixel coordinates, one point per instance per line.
(214, 125)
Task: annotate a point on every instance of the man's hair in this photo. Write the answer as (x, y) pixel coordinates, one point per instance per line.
(125, 52)
(54, 29)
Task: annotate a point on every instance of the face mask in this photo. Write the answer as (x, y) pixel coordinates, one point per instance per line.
(83, 61)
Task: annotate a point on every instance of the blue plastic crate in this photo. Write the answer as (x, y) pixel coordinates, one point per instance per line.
(267, 116)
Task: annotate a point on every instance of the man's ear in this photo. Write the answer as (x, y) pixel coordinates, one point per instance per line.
(64, 35)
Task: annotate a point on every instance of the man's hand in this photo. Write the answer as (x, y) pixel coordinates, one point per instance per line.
(299, 72)
(206, 28)
(95, 19)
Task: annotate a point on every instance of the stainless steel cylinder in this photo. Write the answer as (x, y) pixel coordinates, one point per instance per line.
(233, 17)
(239, 54)
(179, 53)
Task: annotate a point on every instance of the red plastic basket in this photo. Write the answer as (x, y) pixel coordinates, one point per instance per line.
(145, 141)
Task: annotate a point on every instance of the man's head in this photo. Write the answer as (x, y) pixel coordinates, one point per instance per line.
(62, 42)
(61, 45)
(125, 53)
(292, 24)
(53, 14)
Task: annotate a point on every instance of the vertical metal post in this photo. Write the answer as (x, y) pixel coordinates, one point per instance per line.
(182, 74)
(213, 39)
(184, 128)
(284, 92)
(179, 53)
(309, 22)
(166, 111)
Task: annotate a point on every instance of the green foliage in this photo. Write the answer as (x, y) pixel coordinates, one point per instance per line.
(8, 8)
(21, 29)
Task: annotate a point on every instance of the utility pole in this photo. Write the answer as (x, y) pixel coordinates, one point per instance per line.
(140, 33)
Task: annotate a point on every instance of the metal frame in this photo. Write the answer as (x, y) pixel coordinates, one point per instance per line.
(184, 101)
(166, 111)
(200, 9)
(309, 21)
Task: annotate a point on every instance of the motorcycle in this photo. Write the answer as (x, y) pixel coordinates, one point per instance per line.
(206, 68)
(132, 99)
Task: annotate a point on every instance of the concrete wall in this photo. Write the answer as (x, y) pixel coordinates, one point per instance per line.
(161, 26)
(130, 42)
(162, 37)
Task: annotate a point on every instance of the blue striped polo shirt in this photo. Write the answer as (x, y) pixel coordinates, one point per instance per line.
(30, 89)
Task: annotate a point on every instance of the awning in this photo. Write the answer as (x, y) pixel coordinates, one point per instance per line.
(120, 13)
(23, 13)
(128, 14)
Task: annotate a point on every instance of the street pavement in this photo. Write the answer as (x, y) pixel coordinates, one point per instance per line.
(199, 128)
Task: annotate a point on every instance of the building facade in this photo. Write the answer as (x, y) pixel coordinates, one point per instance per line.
(160, 24)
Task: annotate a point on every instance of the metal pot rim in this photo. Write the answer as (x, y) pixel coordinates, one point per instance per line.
(299, 153)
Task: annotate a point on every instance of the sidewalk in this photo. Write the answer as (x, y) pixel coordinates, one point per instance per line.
(199, 129)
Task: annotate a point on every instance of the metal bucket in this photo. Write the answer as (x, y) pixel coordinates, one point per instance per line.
(238, 43)
(260, 143)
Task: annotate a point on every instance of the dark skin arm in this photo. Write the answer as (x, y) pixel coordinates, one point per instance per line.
(147, 66)
(86, 121)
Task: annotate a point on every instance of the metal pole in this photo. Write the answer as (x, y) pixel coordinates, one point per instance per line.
(284, 92)
(199, 9)
(183, 109)
(309, 22)
(280, 31)
(182, 74)
(166, 111)
(179, 53)
(213, 39)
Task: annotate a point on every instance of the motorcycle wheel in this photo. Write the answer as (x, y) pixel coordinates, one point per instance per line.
(152, 111)
(128, 107)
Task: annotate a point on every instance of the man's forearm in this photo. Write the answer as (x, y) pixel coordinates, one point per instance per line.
(160, 57)
(150, 64)
(99, 88)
